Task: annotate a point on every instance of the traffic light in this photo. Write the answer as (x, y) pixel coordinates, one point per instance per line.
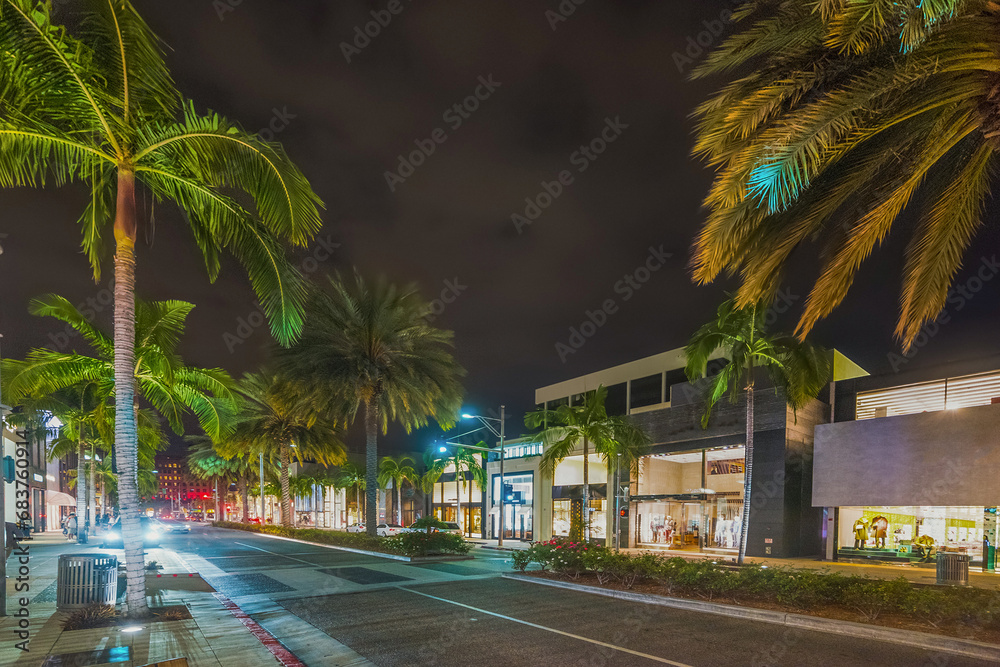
(623, 512)
(8, 468)
(508, 492)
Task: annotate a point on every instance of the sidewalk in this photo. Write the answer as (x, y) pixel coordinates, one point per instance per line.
(917, 575)
(213, 637)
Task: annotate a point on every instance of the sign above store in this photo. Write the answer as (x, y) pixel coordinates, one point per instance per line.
(731, 467)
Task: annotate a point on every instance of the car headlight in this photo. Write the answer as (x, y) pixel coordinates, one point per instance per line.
(152, 535)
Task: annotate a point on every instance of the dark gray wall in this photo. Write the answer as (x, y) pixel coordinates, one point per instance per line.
(951, 457)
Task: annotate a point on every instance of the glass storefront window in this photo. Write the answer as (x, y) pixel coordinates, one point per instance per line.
(691, 500)
(909, 533)
(517, 522)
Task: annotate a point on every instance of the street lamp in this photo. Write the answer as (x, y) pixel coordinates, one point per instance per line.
(488, 423)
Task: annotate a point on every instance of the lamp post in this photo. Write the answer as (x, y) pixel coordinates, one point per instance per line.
(488, 423)
(618, 521)
(261, 489)
(3, 518)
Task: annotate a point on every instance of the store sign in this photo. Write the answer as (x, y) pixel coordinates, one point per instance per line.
(731, 467)
(522, 450)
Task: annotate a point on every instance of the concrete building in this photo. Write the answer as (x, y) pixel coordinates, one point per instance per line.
(912, 457)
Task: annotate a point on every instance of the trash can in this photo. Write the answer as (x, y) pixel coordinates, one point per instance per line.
(953, 568)
(86, 579)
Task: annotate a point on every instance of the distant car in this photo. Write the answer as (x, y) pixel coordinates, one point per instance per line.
(450, 527)
(150, 534)
(356, 528)
(171, 526)
(255, 520)
(388, 529)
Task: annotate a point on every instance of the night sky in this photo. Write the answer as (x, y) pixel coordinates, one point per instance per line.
(610, 66)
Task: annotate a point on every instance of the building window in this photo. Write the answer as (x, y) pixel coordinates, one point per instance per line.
(616, 403)
(647, 391)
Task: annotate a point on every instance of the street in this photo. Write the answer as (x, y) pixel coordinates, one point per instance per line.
(461, 613)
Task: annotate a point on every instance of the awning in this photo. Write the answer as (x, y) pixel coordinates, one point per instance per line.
(59, 498)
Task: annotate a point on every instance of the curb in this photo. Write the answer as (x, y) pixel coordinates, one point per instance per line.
(965, 647)
(270, 642)
(377, 554)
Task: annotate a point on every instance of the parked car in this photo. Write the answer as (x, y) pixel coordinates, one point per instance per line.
(254, 519)
(388, 529)
(450, 527)
(171, 526)
(150, 534)
(356, 528)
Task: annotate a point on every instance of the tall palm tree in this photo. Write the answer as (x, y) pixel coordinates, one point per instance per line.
(464, 461)
(397, 470)
(848, 112)
(588, 424)
(95, 104)
(279, 419)
(353, 476)
(369, 348)
(433, 469)
(158, 375)
(206, 463)
(798, 368)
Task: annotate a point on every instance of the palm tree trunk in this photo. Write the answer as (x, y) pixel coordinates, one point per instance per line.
(286, 495)
(399, 503)
(218, 503)
(81, 493)
(371, 463)
(586, 491)
(126, 435)
(315, 501)
(747, 476)
(92, 492)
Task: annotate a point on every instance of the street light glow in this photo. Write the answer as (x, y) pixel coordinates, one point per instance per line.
(468, 416)
(442, 449)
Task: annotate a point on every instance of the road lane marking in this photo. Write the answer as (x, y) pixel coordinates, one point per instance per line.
(547, 629)
(276, 554)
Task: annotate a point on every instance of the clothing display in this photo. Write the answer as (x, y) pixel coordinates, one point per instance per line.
(879, 530)
(860, 533)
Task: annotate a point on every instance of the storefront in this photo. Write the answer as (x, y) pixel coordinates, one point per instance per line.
(446, 497)
(690, 500)
(518, 505)
(910, 533)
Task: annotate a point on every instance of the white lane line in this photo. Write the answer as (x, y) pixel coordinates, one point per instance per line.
(277, 554)
(552, 630)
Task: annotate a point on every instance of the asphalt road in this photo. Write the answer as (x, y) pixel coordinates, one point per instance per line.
(460, 614)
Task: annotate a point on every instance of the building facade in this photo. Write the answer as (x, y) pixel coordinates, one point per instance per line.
(912, 464)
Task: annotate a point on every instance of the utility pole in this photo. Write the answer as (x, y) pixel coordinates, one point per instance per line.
(503, 410)
(262, 488)
(3, 516)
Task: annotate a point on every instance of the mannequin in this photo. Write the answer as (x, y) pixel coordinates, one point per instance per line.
(880, 529)
(860, 533)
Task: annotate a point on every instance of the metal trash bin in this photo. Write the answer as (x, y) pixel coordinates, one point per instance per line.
(86, 579)
(953, 568)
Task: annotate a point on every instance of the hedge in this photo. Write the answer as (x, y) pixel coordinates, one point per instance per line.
(406, 544)
(799, 589)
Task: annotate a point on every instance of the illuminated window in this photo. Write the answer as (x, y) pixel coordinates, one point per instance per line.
(948, 394)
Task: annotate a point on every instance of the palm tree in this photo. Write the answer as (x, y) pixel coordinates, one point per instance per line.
(277, 418)
(369, 348)
(397, 470)
(464, 461)
(353, 476)
(588, 423)
(433, 469)
(96, 105)
(206, 463)
(847, 113)
(157, 374)
(800, 369)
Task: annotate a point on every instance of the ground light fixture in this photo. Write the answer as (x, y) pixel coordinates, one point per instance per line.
(131, 628)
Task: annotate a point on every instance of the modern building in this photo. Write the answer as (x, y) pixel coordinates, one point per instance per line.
(688, 494)
(912, 457)
(178, 486)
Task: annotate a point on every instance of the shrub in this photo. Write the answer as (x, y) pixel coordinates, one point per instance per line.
(424, 544)
(521, 559)
(92, 616)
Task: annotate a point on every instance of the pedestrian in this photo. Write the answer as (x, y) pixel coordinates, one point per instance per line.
(71, 527)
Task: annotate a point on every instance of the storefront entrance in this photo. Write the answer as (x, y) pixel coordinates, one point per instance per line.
(518, 506)
(690, 500)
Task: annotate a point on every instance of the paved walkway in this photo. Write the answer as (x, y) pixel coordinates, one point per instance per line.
(213, 637)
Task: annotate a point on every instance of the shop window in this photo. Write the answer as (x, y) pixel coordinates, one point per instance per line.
(647, 391)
